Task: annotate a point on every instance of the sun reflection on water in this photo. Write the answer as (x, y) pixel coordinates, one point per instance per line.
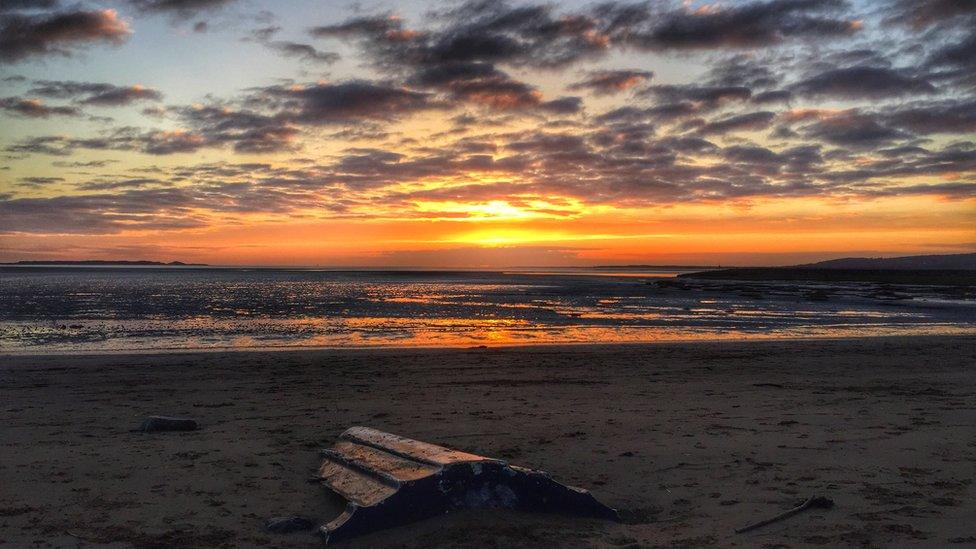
(237, 309)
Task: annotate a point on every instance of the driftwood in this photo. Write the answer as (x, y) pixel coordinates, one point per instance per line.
(388, 480)
(816, 502)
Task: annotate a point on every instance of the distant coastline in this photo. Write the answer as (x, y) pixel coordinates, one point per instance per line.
(938, 262)
(651, 266)
(945, 269)
(956, 277)
(99, 262)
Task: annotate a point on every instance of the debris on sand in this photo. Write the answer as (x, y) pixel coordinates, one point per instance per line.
(287, 525)
(157, 424)
(388, 480)
(816, 502)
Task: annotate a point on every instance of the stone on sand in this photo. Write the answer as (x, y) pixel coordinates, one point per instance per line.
(156, 424)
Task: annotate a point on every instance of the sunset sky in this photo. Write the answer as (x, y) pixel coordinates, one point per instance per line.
(486, 134)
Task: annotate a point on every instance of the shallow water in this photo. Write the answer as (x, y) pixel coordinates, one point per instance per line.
(70, 309)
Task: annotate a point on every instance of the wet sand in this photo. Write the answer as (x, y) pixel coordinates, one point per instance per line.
(689, 441)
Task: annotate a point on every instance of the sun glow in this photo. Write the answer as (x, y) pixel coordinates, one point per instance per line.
(499, 210)
(497, 237)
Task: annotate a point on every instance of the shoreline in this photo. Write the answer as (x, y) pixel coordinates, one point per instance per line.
(963, 332)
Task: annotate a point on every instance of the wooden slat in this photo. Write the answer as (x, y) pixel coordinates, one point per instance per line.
(375, 460)
(359, 488)
(408, 448)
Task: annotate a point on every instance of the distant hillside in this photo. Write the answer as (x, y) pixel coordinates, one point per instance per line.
(951, 262)
(110, 263)
(957, 277)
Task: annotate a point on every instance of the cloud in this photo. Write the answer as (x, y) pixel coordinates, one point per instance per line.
(463, 50)
(772, 96)
(947, 117)
(462, 56)
(267, 139)
(24, 5)
(167, 142)
(84, 164)
(346, 102)
(922, 13)
(749, 71)
(482, 67)
(483, 84)
(180, 8)
(959, 55)
(795, 160)
(750, 155)
(545, 173)
(34, 108)
(711, 96)
(563, 105)
(163, 209)
(479, 83)
(28, 35)
(961, 190)
(206, 127)
(377, 27)
(122, 96)
(114, 184)
(492, 32)
(748, 25)
(748, 121)
(39, 181)
(49, 145)
(96, 94)
(155, 142)
(612, 82)
(305, 52)
(956, 161)
(854, 129)
(862, 83)
(250, 131)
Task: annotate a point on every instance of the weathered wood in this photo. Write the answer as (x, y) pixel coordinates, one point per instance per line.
(389, 480)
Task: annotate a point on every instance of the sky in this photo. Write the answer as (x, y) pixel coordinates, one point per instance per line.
(486, 134)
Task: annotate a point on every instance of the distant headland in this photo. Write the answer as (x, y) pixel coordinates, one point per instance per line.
(952, 269)
(99, 262)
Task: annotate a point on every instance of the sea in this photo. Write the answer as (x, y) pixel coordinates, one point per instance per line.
(81, 309)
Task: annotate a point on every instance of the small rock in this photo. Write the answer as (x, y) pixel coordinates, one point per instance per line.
(287, 525)
(156, 424)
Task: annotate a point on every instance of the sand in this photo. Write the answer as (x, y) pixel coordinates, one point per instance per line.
(689, 441)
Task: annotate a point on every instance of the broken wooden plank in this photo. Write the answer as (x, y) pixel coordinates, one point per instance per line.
(389, 480)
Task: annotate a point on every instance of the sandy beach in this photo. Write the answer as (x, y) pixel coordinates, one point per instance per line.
(689, 441)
